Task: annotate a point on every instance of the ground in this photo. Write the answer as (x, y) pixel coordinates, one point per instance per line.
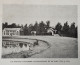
(60, 47)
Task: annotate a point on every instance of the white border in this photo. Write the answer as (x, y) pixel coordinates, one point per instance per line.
(73, 61)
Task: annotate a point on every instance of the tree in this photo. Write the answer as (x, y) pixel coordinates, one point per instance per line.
(73, 30)
(18, 26)
(13, 25)
(21, 26)
(30, 28)
(76, 32)
(41, 28)
(5, 25)
(2, 26)
(47, 24)
(65, 28)
(58, 27)
(72, 26)
(36, 28)
(25, 29)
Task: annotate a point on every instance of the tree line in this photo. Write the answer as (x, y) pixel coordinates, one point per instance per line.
(66, 30)
(41, 28)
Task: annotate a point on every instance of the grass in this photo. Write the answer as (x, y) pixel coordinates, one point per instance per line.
(40, 47)
(60, 47)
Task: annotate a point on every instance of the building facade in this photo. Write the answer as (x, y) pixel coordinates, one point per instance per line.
(33, 32)
(52, 31)
(11, 31)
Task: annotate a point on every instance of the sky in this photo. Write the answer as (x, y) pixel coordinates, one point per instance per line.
(29, 14)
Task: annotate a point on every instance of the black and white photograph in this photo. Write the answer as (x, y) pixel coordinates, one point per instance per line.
(39, 31)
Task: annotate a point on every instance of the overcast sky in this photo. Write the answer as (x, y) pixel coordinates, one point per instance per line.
(22, 14)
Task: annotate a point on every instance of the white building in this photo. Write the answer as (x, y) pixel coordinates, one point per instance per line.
(52, 31)
(33, 32)
(11, 31)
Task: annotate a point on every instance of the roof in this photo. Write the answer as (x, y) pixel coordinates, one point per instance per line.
(11, 28)
(51, 29)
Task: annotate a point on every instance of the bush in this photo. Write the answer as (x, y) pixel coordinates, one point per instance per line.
(36, 43)
(21, 45)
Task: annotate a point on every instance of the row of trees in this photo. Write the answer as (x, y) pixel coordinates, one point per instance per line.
(67, 30)
(41, 28)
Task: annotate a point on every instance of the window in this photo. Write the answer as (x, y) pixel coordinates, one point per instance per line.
(17, 32)
(4, 32)
(8, 33)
